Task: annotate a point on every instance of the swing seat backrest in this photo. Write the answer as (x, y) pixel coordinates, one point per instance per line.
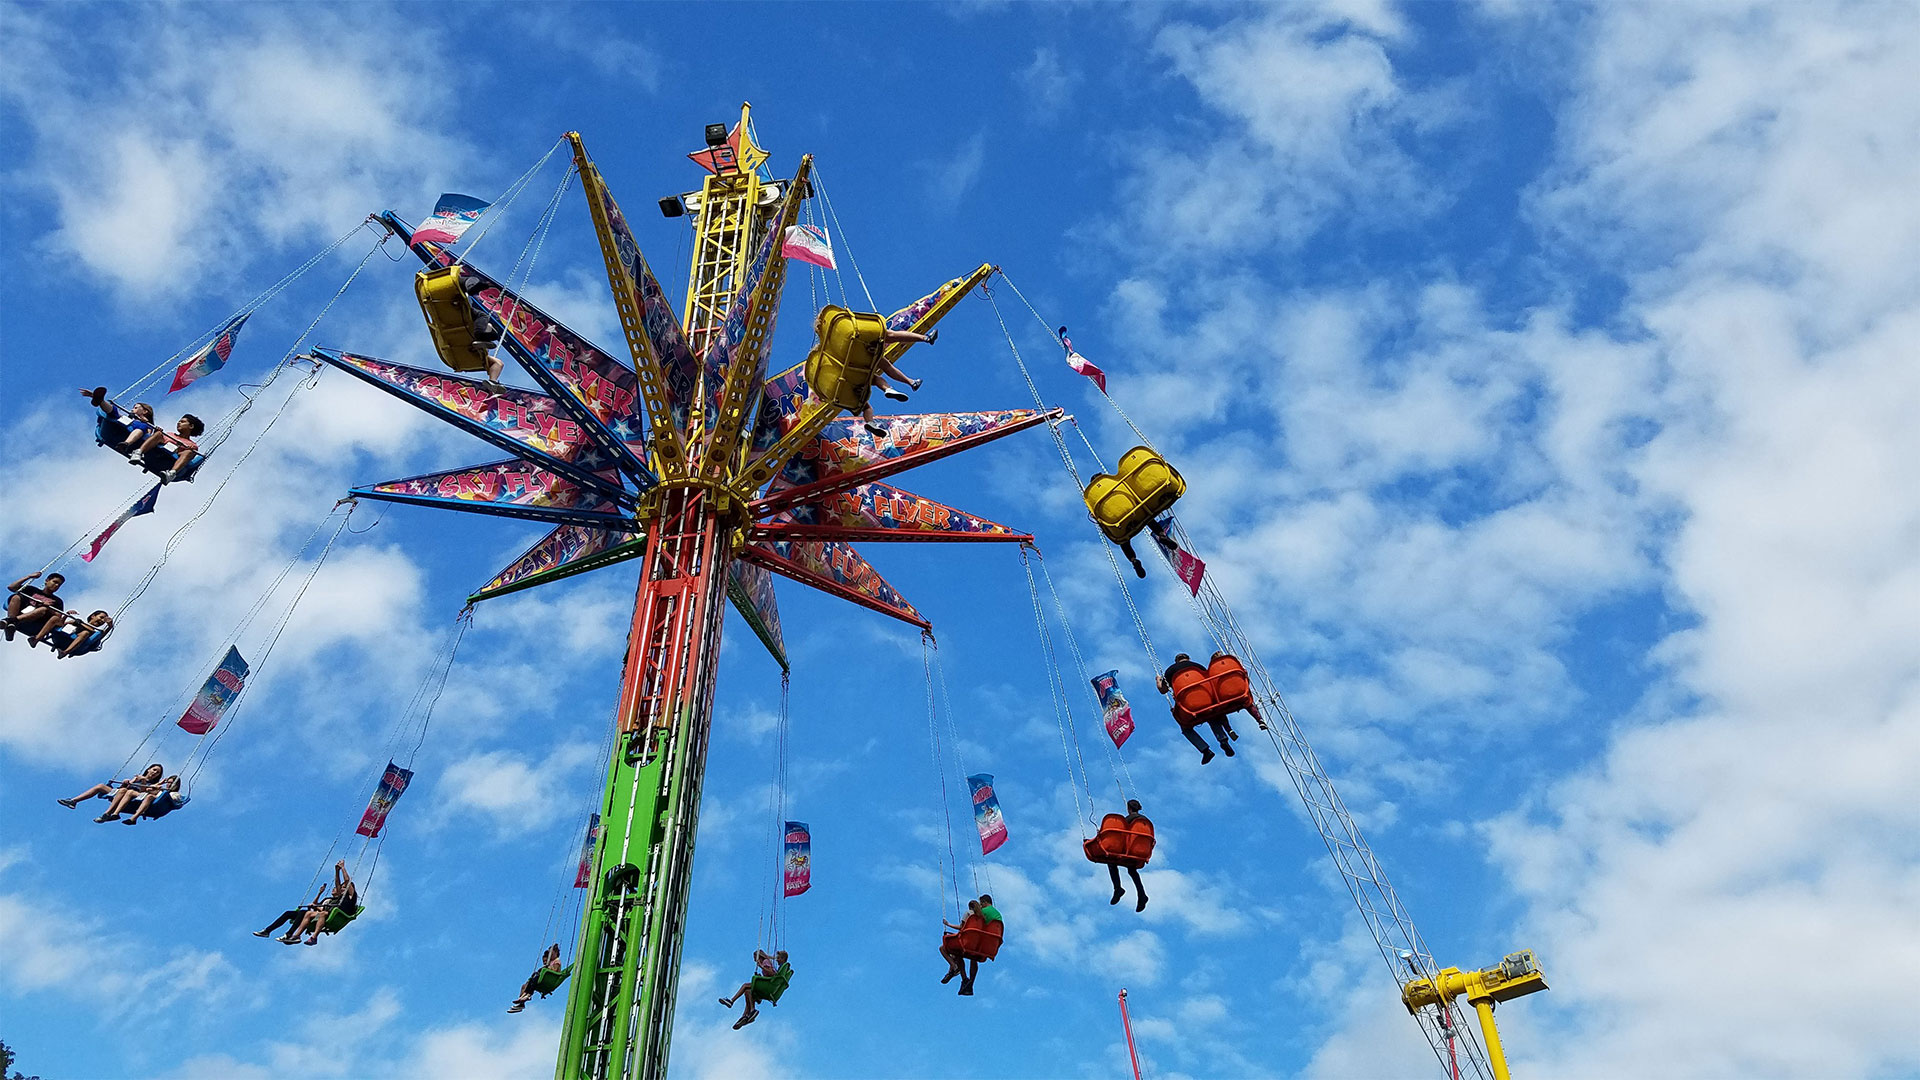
(768, 988)
(1230, 684)
(981, 942)
(108, 431)
(339, 917)
(546, 980)
(449, 317)
(1144, 487)
(846, 351)
(1203, 695)
(1119, 844)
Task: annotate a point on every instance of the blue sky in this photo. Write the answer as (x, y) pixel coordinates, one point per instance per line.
(1543, 377)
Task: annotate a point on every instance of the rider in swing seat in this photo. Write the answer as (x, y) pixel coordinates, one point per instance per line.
(549, 968)
(128, 790)
(32, 607)
(486, 328)
(1134, 816)
(771, 975)
(159, 802)
(71, 635)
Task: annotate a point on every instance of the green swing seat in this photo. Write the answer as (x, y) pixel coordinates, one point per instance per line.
(768, 988)
(339, 917)
(546, 980)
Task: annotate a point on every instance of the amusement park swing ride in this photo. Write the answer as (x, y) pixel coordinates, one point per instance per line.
(714, 476)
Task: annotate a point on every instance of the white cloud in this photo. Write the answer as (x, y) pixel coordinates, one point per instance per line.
(1459, 487)
(1314, 119)
(1048, 83)
(48, 949)
(225, 129)
(515, 793)
(950, 178)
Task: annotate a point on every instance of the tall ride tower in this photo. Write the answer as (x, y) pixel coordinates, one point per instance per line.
(713, 476)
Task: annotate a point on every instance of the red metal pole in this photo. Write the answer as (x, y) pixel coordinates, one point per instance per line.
(1127, 1025)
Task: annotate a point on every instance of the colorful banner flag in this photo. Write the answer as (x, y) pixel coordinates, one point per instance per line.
(809, 245)
(584, 876)
(1186, 565)
(143, 506)
(452, 216)
(1081, 364)
(1114, 710)
(986, 813)
(213, 699)
(392, 785)
(211, 358)
(798, 861)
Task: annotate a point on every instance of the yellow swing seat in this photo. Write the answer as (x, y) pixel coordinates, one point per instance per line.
(1144, 488)
(846, 350)
(449, 318)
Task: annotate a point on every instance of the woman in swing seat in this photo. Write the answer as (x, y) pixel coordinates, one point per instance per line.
(549, 961)
(159, 802)
(950, 944)
(71, 635)
(766, 967)
(129, 790)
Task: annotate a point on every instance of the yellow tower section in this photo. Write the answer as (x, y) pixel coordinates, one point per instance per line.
(733, 209)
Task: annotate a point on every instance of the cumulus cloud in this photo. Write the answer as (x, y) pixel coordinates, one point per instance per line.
(165, 178)
(1463, 481)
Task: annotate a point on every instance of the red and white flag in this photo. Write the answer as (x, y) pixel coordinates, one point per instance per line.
(808, 244)
(1081, 364)
(452, 216)
(144, 505)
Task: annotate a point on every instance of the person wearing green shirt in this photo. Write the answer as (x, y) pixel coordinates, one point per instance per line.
(988, 914)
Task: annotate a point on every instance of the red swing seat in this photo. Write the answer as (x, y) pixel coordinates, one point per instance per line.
(976, 940)
(1119, 844)
(1204, 694)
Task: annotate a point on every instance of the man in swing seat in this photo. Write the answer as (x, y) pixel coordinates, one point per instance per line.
(31, 607)
(1222, 730)
(770, 978)
(549, 962)
(486, 328)
(1113, 869)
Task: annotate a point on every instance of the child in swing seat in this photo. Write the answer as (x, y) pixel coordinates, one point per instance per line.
(549, 961)
(138, 420)
(177, 443)
(766, 967)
